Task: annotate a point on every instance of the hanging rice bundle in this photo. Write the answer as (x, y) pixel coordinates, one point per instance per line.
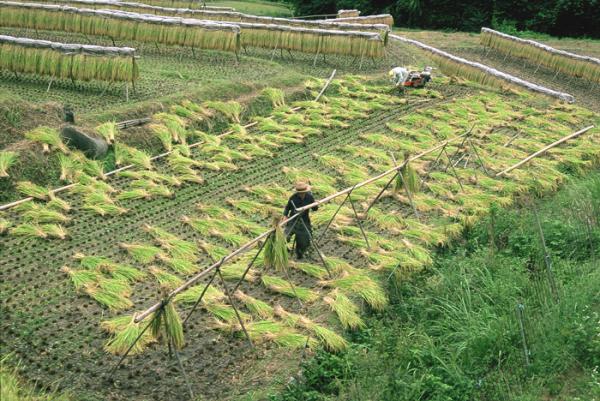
(315, 41)
(409, 177)
(166, 325)
(7, 159)
(345, 310)
(348, 13)
(276, 252)
(557, 60)
(122, 25)
(476, 72)
(67, 61)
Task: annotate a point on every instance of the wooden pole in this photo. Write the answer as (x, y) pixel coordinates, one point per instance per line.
(237, 314)
(544, 150)
(326, 86)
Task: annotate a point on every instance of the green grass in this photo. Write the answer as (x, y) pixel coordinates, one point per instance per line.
(255, 7)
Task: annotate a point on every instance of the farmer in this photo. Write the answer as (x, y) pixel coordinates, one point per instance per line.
(398, 75)
(303, 232)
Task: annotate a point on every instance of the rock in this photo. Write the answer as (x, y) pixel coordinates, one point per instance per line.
(93, 148)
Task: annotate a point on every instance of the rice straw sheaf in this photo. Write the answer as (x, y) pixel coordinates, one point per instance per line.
(284, 287)
(255, 306)
(361, 285)
(345, 309)
(142, 253)
(126, 335)
(332, 341)
(7, 159)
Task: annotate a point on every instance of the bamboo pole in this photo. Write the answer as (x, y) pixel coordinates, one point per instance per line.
(194, 279)
(544, 150)
(326, 86)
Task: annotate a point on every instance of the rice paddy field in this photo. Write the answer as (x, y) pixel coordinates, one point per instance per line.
(226, 142)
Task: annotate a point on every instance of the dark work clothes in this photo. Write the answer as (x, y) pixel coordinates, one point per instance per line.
(295, 200)
(301, 231)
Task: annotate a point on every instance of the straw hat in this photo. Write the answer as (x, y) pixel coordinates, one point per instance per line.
(302, 187)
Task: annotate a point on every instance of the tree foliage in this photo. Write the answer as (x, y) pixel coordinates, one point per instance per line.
(555, 17)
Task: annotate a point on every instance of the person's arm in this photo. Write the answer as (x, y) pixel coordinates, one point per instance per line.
(288, 208)
(311, 199)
